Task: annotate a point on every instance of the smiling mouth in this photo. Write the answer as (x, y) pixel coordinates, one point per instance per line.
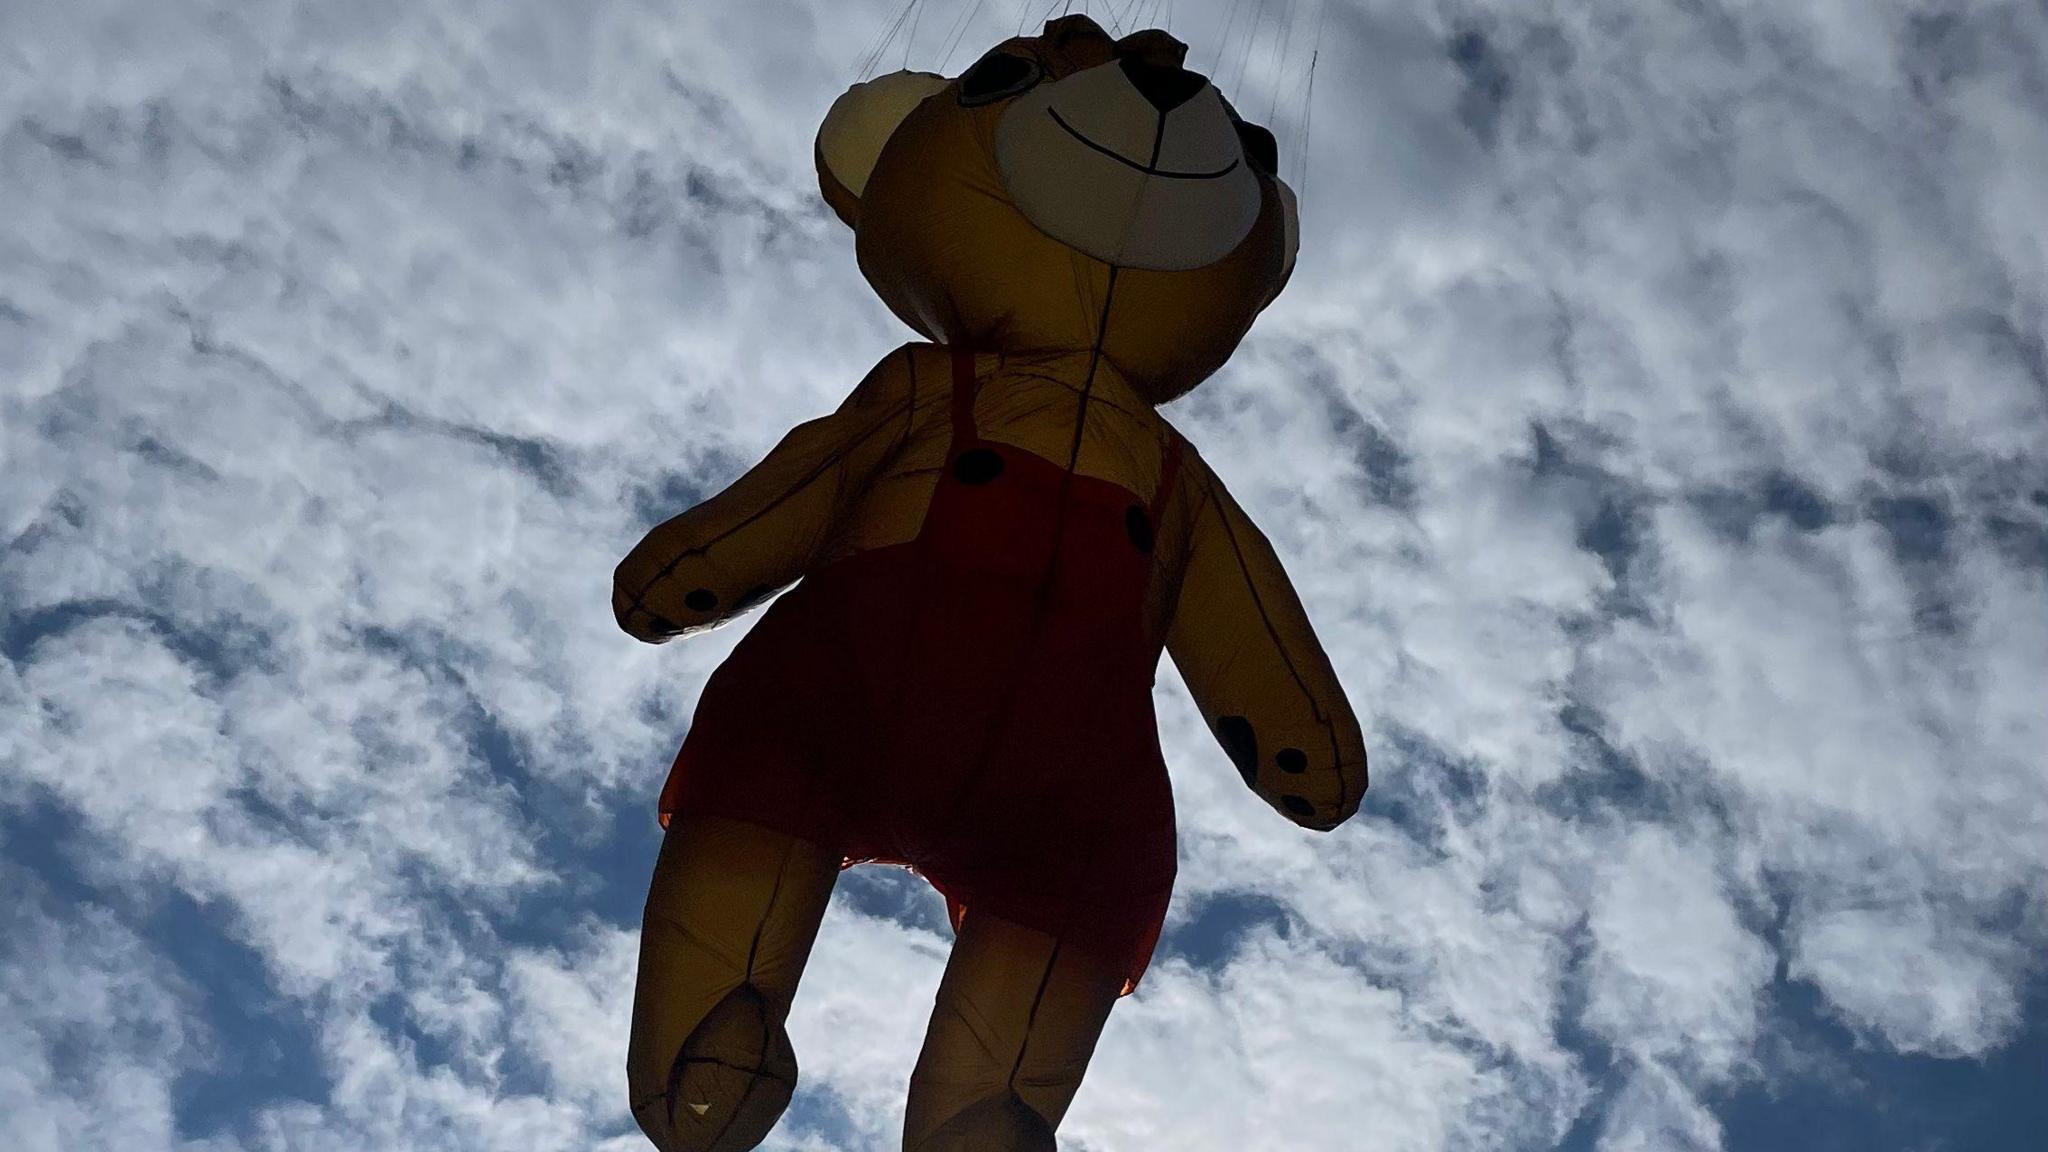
(1127, 162)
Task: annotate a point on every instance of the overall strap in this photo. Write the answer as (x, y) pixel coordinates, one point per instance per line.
(964, 388)
(1169, 473)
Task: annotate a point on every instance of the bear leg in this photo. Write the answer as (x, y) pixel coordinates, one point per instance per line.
(731, 916)
(1015, 1023)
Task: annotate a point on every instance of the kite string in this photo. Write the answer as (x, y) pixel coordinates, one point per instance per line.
(1217, 59)
(1251, 38)
(959, 32)
(910, 41)
(860, 65)
(874, 54)
(887, 37)
(911, 13)
(1279, 62)
(1308, 110)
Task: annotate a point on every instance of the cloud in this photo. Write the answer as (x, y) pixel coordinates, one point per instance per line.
(1915, 983)
(1674, 976)
(1656, 1113)
(94, 1032)
(1309, 1051)
(1656, 427)
(571, 1013)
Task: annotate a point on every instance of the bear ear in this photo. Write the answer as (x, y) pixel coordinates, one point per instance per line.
(859, 124)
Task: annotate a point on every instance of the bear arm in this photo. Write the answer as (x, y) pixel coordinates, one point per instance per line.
(768, 528)
(1250, 657)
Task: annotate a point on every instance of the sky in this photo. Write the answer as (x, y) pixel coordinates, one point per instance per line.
(1656, 427)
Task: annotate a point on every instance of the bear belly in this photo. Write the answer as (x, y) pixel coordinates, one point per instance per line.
(955, 707)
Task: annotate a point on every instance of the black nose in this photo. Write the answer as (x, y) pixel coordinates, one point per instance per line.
(1166, 88)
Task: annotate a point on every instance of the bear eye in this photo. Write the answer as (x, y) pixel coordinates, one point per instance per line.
(997, 76)
(1261, 151)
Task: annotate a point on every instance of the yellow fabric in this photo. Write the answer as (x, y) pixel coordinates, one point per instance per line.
(1073, 355)
(862, 476)
(731, 916)
(854, 131)
(957, 262)
(1067, 340)
(1016, 1018)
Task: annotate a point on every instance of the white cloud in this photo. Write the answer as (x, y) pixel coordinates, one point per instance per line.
(93, 1034)
(344, 348)
(1308, 1053)
(1908, 979)
(1674, 974)
(860, 1018)
(571, 1010)
(1655, 1112)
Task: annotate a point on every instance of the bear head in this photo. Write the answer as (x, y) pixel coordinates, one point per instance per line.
(1067, 192)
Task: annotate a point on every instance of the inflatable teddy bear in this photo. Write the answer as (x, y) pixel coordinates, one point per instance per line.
(990, 542)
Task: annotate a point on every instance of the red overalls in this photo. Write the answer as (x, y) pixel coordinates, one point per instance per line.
(975, 703)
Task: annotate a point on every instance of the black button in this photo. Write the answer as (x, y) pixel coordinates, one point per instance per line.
(1243, 745)
(701, 600)
(1292, 760)
(1139, 526)
(1299, 806)
(978, 466)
